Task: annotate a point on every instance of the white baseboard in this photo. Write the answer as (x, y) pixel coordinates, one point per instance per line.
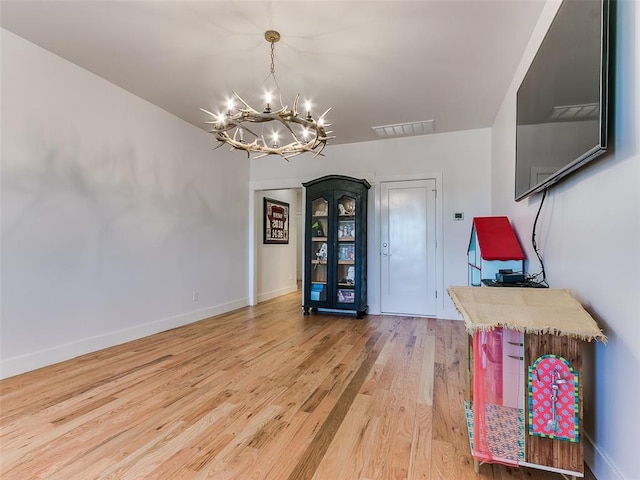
(449, 315)
(31, 361)
(445, 315)
(599, 463)
(263, 297)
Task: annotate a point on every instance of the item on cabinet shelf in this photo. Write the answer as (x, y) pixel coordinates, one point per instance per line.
(347, 229)
(322, 253)
(316, 291)
(553, 399)
(346, 252)
(350, 278)
(346, 296)
(318, 231)
(351, 275)
(347, 207)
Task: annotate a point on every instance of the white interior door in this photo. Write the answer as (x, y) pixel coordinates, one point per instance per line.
(408, 247)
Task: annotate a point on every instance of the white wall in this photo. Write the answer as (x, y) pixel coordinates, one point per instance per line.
(589, 235)
(460, 161)
(276, 262)
(299, 231)
(113, 213)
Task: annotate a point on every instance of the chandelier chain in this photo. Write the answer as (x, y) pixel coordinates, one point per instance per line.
(273, 54)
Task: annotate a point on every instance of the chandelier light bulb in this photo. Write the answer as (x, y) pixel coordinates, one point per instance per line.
(267, 99)
(230, 105)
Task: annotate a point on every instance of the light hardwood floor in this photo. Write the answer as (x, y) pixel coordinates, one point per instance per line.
(260, 393)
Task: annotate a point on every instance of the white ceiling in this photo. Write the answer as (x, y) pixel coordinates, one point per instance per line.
(373, 62)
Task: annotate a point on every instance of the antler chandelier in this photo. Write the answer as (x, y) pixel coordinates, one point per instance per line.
(305, 133)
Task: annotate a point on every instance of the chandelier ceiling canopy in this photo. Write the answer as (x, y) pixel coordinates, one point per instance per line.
(238, 126)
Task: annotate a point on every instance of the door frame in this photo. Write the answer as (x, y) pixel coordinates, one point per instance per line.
(255, 234)
(439, 235)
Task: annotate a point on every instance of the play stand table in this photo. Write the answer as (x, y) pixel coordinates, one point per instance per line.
(524, 375)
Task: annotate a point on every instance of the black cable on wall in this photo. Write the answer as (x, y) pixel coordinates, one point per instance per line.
(535, 246)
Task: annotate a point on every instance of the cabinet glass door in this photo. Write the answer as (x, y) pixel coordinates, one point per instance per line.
(319, 248)
(346, 251)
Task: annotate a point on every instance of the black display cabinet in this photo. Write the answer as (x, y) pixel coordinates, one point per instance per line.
(335, 260)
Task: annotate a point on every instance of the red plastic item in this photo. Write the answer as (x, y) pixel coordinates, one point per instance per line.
(497, 239)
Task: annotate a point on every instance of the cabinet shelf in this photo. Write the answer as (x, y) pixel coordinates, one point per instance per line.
(318, 239)
(346, 239)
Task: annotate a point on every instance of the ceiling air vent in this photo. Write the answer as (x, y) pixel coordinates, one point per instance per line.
(587, 111)
(404, 129)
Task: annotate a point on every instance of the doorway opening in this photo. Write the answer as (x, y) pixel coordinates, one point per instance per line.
(274, 269)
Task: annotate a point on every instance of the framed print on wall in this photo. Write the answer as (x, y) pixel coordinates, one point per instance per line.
(276, 222)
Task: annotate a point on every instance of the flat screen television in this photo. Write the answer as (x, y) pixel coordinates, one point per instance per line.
(562, 102)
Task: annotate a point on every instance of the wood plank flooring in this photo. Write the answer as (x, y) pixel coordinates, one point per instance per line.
(260, 393)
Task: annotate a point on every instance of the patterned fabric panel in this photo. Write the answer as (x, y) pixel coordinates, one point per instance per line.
(553, 399)
(506, 432)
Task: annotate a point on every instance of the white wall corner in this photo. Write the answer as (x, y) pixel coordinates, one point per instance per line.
(449, 314)
(264, 296)
(599, 463)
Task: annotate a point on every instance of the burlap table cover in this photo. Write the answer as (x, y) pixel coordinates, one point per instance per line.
(528, 310)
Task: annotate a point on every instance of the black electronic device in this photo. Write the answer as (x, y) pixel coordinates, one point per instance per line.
(509, 277)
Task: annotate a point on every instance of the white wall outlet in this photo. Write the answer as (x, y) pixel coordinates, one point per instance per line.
(194, 296)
